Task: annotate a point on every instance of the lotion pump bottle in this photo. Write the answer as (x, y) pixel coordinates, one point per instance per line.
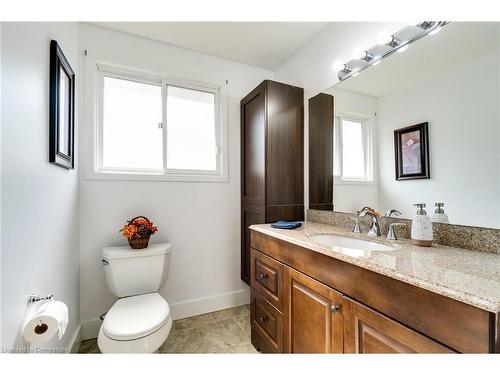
(421, 227)
(439, 215)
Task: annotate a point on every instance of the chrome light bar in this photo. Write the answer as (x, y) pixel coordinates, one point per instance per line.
(392, 43)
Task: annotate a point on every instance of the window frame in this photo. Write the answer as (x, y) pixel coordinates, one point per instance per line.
(95, 169)
(367, 133)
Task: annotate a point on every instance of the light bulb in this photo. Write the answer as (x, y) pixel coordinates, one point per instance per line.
(337, 66)
(384, 37)
(358, 53)
(435, 31)
(404, 48)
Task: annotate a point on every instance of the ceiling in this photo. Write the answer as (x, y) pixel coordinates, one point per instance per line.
(457, 43)
(262, 44)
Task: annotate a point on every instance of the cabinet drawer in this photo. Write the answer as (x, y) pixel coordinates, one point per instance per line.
(267, 325)
(267, 278)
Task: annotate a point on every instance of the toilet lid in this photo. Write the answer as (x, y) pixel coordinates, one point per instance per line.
(135, 317)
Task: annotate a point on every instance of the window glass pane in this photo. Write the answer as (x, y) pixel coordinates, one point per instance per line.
(132, 137)
(191, 139)
(352, 149)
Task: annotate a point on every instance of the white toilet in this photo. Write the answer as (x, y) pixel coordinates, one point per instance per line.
(140, 321)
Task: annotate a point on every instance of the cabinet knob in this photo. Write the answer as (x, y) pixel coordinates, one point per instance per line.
(262, 319)
(263, 276)
(335, 309)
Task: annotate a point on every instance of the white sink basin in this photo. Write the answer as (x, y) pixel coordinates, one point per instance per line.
(350, 246)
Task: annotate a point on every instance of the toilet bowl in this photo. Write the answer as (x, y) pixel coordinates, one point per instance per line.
(138, 324)
(140, 320)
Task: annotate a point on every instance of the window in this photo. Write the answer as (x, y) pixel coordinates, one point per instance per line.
(352, 150)
(151, 127)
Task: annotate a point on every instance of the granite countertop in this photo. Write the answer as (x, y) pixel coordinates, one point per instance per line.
(468, 276)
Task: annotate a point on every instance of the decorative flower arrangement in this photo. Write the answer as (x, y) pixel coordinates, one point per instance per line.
(137, 231)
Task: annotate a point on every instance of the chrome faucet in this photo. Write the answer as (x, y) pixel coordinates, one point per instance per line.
(391, 234)
(389, 213)
(356, 228)
(375, 229)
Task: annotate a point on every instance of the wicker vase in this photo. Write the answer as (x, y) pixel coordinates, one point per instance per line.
(139, 243)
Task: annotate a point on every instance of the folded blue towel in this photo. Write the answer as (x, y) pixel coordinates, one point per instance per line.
(282, 224)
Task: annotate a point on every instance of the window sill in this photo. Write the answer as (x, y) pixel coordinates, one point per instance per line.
(155, 177)
(340, 181)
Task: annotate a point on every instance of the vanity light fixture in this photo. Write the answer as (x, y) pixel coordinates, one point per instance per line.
(435, 31)
(337, 66)
(403, 48)
(358, 53)
(387, 44)
(384, 37)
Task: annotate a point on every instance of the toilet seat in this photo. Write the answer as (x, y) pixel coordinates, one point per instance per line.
(134, 317)
(137, 324)
(143, 345)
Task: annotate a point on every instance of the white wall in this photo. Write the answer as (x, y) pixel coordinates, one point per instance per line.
(40, 244)
(201, 220)
(463, 113)
(310, 67)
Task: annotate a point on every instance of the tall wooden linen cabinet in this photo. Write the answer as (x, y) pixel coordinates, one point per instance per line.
(272, 159)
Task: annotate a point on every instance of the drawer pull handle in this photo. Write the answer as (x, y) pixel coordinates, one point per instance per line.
(263, 276)
(263, 319)
(335, 309)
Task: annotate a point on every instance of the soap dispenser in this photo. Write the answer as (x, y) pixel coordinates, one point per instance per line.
(421, 227)
(439, 215)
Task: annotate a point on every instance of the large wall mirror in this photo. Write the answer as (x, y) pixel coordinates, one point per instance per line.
(434, 106)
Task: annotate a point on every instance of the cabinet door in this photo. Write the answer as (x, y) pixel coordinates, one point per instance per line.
(367, 331)
(249, 215)
(313, 317)
(253, 147)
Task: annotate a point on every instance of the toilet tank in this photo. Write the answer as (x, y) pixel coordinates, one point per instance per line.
(131, 272)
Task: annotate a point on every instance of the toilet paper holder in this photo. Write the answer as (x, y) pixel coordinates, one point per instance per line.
(33, 298)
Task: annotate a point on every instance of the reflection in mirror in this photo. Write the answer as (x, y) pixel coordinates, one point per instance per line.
(451, 81)
(321, 155)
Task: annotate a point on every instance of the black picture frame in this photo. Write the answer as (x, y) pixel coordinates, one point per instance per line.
(411, 145)
(61, 109)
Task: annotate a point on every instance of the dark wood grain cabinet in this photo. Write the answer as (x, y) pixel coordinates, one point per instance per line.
(272, 158)
(307, 302)
(321, 152)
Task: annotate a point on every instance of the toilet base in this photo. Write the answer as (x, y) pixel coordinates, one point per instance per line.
(144, 345)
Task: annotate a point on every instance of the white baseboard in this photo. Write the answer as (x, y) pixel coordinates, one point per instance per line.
(74, 343)
(184, 309)
(204, 305)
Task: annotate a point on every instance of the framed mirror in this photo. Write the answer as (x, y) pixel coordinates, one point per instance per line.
(448, 86)
(62, 109)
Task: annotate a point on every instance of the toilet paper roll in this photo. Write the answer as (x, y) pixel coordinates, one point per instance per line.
(43, 320)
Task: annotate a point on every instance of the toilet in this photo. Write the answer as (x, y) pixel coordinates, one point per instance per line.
(140, 321)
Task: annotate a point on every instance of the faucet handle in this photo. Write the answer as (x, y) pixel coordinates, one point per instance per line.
(356, 228)
(391, 234)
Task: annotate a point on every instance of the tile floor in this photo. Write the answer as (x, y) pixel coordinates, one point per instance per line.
(224, 331)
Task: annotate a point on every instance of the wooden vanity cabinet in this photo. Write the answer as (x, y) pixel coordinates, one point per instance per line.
(306, 302)
(272, 159)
